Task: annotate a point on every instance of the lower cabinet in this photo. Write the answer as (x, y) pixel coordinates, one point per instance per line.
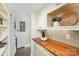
(38, 50)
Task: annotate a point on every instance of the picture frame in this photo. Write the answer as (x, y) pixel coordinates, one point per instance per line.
(22, 26)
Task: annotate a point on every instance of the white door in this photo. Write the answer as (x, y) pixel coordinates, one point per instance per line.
(20, 35)
(23, 34)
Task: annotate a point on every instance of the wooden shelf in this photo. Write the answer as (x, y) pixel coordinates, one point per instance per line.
(3, 26)
(3, 16)
(3, 37)
(69, 14)
(73, 28)
(3, 11)
(39, 29)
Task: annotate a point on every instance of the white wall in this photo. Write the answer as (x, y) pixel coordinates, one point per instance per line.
(34, 23)
(28, 30)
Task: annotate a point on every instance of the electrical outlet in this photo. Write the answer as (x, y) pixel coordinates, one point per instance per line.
(67, 36)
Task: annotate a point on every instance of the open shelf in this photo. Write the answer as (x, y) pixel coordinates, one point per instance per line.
(3, 37)
(3, 11)
(3, 16)
(3, 26)
(73, 28)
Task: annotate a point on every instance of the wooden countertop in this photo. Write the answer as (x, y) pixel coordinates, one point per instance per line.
(58, 48)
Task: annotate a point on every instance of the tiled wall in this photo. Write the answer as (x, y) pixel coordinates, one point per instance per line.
(61, 36)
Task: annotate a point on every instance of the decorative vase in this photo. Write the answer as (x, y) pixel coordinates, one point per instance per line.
(44, 38)
(56, 24)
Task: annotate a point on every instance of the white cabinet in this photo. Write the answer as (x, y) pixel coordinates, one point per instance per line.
(38, 50)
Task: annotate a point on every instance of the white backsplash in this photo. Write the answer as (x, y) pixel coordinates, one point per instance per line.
(74, 37)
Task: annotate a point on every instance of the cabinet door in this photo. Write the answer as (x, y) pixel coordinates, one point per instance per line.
(40, 51)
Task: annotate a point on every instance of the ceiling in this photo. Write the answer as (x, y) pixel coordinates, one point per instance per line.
(22, 9)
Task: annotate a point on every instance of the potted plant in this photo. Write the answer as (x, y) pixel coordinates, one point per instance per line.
(56, 21)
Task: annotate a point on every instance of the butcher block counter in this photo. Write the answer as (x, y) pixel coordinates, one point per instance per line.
(58, 48)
